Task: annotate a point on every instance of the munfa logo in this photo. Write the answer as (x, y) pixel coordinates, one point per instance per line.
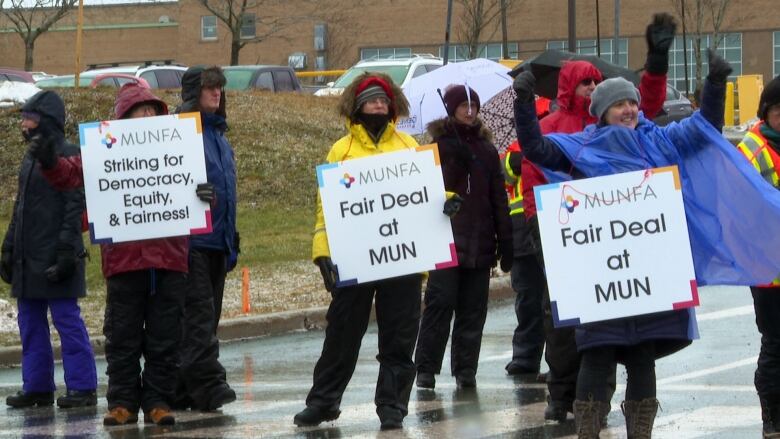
(347, 180)
(108, 140)
(569, 203)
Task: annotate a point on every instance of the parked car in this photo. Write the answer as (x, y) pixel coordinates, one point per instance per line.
(401, 70)
(264, 77)
(64, 81)
(157, 76)
(676, 107)
(116, 80)
(15, 75)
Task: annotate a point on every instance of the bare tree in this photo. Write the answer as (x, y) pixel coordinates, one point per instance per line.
(479, 21)
(31, 19)
(702, 18)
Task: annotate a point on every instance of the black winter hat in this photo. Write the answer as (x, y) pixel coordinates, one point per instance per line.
(194, 79)
(50, 106)
(455, 94)
(770, 96)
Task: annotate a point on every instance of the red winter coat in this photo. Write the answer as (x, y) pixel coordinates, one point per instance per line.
(572, 115)
(162, 253)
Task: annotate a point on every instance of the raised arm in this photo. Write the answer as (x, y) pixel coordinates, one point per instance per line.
(659, 35)
(713, 94)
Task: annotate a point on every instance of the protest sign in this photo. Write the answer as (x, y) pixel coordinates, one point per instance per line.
(384, 215)
(140, 177)
(616, 246)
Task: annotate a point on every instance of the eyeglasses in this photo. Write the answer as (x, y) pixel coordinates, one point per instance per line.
(589, 81)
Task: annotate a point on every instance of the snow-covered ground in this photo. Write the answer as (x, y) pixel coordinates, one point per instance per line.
(7, 316)
(13, 93)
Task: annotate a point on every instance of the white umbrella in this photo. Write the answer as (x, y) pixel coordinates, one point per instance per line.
(486, 77)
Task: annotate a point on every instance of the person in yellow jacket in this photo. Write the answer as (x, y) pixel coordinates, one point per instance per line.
(371, 105)
(761, 145)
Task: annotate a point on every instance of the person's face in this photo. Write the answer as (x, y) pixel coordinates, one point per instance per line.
(586, 87)
(773, 117)
(209, 99)
(625, 112)
(377, 105)
(143, 110)
(465, 113)
(29, 123)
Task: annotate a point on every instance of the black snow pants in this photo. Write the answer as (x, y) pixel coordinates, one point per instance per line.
(766, 302)
(529, 285)
(464, 292)
(201, 372)
(144, 312)
(397, 318)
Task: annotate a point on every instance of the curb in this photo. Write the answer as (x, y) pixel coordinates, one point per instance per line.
(239, 328)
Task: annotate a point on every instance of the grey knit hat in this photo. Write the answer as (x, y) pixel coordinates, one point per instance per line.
(610, 91)
(369, 93)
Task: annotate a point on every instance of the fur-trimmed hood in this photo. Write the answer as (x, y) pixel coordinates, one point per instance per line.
(399, 106)
(446, 125)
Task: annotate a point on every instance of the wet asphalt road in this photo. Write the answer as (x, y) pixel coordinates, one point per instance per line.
(706, 391)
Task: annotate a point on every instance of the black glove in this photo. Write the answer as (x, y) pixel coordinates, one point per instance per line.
(506, 255)
(206, 192)
(42, 149)
(659, 36)
(7, 265)
(720, 69)
(524, 87)
(452, 205)
(330, 275)
(64, 267)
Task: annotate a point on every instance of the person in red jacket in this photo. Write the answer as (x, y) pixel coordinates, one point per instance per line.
(576, 82)
(145, 281)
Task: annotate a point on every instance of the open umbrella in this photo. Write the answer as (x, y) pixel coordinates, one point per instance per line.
(425, 105)
(547, 64)
(498, 115)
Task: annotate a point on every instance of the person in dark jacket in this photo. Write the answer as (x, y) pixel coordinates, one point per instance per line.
(146, 281)
(636, 341)
(761, 145)
(42, 259)
(482, 231)
(202, 378)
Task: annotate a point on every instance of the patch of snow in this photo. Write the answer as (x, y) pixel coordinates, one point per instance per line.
(7, 316)
(13, 93)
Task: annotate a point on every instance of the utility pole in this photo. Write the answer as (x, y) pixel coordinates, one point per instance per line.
(447, 32)
(572, 27)
(504, 42)
(685, 47)
(616, 41)
(79, 28)
(598, 31)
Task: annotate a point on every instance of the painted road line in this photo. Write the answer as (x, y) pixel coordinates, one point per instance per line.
(708, 371)
(725, 313)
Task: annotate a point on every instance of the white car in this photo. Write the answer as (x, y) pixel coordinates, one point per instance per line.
(401, 70)
(157, 76)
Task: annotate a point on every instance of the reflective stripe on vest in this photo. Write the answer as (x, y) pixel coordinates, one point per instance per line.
(755, 147)
(516, 202)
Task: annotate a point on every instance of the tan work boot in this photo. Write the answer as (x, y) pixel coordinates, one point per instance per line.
(119, 416)
(587, 418)
(159, 416)
(640, 416)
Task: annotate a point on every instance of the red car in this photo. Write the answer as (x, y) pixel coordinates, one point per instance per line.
(14, 75)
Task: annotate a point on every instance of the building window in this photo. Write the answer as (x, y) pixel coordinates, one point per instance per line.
(729, 47)
(588, 47)
(385, 53)
(208, 27)
(491, 51)
(248, 25)
(776, 57)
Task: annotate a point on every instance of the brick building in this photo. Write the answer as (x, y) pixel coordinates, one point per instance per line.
(184, 31)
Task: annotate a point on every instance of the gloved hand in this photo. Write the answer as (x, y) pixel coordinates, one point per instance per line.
(506, 255)
(720, 69)
(330, 275)
(659, 36)
(524, 85)
(7, 265)
(206, 192)
(452, 205)
(42, 149)
(64, 267)
(232, 259)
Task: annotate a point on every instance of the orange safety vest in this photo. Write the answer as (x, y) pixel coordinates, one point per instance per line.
(514, 187)
(765, 159)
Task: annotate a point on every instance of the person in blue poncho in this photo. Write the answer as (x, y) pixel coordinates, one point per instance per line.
(719, 187)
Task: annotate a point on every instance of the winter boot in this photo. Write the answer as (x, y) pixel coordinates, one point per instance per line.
(770, 415)
(29, 399)
(587, 417)
(120, 416)
(639, 417)
(77, 398)
(159, 416)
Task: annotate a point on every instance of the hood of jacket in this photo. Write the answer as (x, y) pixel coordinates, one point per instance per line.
(570, 76)
(445, 125)
(131, 95)
(399, 106)
(51, 107)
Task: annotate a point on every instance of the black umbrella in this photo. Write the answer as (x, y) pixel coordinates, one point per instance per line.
(547, 64)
